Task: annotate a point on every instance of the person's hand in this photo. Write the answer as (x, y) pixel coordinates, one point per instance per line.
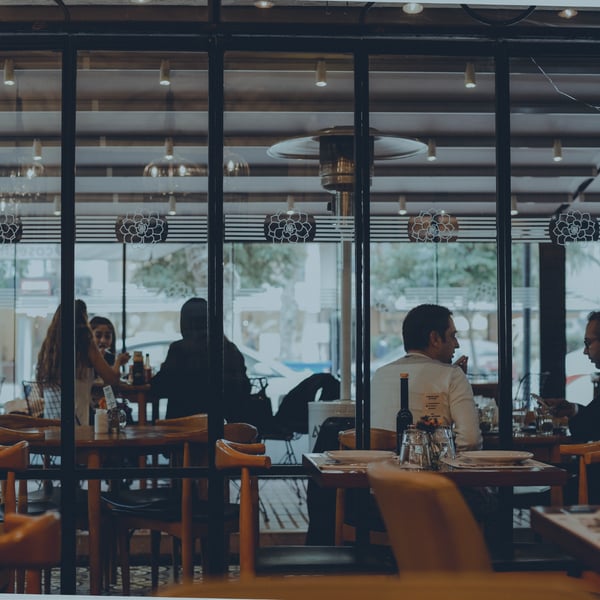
(461, 362)
(559, 407)
(122, 358)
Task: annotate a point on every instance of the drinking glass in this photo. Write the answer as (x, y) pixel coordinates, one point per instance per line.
(442, 445)
(415, 451)
(545, 421)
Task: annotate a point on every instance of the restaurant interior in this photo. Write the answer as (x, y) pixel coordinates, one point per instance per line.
(313, 169)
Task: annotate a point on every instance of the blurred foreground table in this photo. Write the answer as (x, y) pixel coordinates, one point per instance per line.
(576, 529)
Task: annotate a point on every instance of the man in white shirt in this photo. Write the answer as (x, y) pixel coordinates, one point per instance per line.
(436, 387)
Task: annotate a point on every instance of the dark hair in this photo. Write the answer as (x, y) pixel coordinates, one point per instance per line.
(595, 316)
(421, 321)
(96, 321)
(48, 367)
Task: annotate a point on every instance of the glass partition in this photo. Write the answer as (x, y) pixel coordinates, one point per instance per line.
(141, 193)
(554, 162)
(30, 159)
(289, 226)
(433, 204)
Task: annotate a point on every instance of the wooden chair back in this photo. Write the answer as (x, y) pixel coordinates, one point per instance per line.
(246, 457)
(381, 439)
(416, 586)
(13, 458)
(32, 544)
(197, 421)
(586, 454)
(429, 524)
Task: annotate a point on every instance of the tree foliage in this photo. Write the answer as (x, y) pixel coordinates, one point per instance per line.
(185, 270)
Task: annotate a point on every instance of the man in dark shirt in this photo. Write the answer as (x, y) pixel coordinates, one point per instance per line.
(182, 377)
(584, 421)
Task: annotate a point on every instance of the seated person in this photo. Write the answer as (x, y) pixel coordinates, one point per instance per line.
(181, 378)
(105, 336)
(584, 421)
(436, 387)
(88, 361)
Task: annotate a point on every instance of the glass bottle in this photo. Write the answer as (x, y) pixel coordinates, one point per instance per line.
(404, 417)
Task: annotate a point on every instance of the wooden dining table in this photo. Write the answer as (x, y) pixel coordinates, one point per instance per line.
(329, 474)
(92, 448)
(575, 529)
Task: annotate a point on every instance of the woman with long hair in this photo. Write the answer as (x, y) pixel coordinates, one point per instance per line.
(88, 361)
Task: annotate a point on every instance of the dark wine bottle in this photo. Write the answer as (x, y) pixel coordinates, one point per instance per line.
(404, 417)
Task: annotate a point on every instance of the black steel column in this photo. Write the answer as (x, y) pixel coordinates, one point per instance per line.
(503, 225)
(216, 233)
(362, 152)
(68, 476)
(504, 278)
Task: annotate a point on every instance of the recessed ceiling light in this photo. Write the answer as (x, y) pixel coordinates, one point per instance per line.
(412, 8)
(263, 4)
(568, 13)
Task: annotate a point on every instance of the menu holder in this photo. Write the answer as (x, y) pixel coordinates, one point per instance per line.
(111, 401)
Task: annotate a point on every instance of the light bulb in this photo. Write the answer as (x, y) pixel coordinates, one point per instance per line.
(557, 151)
(321, 74)
(290, 206)
(165, 73)
(172, 204)
(169, 148)
(412, 8)
(37, 149)
(567, 13)
(402, 205)
(514, 209)
(9, 72)
(470, 81)
(431, 151)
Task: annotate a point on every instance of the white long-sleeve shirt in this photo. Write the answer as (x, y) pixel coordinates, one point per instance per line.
(434, 389)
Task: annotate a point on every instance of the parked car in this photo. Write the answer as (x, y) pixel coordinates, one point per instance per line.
(280, 378)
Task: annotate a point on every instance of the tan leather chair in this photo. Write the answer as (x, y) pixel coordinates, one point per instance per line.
(381, 439)
(31, 544)
(429, 524)
(414, 586)
(587, 454)
(178, 510)
(277, 560)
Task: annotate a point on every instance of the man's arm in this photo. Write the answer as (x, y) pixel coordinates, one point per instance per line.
(464, 413)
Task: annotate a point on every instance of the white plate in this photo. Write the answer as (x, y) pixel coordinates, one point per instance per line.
(359, 456)
(495, 457)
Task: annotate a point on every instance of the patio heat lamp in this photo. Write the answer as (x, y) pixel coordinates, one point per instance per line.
(334, 148)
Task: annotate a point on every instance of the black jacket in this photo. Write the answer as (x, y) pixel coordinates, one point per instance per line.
(183, 376)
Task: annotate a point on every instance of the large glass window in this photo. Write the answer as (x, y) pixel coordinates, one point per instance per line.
(30, 159)
(288, 216)
(433, 203)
